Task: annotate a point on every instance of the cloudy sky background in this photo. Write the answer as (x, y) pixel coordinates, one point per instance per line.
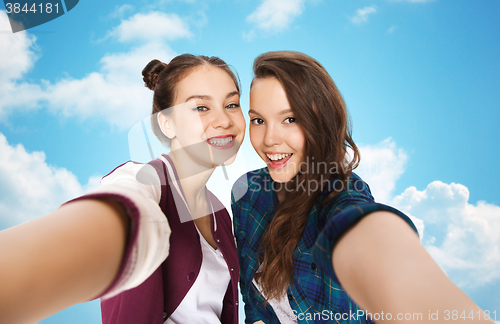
(420, 79)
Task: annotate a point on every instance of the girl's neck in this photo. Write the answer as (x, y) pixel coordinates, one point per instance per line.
(192, 175)
(280, 194)
(193, 178)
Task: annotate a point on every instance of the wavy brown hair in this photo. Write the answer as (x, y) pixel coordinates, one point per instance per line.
(320, 111)
(162, 78)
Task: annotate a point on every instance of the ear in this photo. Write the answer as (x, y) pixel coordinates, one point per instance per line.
(166, 126)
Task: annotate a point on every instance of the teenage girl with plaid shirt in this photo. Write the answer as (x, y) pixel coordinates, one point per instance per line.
(313, 244)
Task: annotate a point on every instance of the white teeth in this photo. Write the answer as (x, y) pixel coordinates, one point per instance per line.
(276, 157)
(221, 141)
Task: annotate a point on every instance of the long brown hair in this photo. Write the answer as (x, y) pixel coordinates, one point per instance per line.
(162, 78)
(321, 112)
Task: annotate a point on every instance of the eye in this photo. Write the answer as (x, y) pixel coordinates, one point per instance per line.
(257, 121)
(200, 108)
(233, 105)
(289, 120)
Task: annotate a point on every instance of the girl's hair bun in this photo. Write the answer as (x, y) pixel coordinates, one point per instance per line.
(151, 73)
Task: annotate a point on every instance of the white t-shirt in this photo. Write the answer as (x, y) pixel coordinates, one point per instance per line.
(203, 302)
(281, 307)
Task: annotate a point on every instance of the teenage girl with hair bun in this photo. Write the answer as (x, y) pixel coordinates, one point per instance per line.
(152, 242)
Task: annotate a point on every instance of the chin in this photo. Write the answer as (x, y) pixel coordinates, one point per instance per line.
(225, 157)
(280, 177)
(230, 160)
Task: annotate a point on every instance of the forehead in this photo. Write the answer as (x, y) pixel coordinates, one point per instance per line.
(205, 80)
(267, 96)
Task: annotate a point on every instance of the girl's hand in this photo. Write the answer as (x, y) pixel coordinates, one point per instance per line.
(69, 256)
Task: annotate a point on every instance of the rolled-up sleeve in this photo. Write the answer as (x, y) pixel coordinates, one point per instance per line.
(137, 188)
(348, 208)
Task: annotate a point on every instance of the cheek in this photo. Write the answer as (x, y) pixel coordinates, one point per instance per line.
(297, 141)
(241, 123)
(256, 137)
(192, 124)
(200, 125)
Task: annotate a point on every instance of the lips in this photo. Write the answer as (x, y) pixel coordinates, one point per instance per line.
(278, 160)
(222, 142)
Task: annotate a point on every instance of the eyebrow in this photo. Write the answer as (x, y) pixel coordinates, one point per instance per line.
(283, 112)
(234, 93)
(207, 97)
(203, 97)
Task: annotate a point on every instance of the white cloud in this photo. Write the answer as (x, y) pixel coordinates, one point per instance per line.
(392, 29)
(276, 15)
(21, 96)
(381, 166)
(30, 187)
(249, 36)
(17, 56)
(154, 26)
(115, 93)
(362, 14)
(120, 11)
(462, 237)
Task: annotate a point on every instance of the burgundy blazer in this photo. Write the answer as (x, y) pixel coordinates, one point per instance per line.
(156, 299)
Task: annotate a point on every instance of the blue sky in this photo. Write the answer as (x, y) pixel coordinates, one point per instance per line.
(420, 79)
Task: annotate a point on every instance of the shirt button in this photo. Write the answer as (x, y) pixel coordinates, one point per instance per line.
(232, 269)
(236, 303)
(290, 297)
(313, 266)
(217, 240)
(190, 276)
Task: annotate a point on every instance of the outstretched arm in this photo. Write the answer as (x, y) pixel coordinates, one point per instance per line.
(69, 256)
(382, 265)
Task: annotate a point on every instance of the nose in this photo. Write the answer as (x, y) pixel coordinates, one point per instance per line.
(272, 137)
(222, 119)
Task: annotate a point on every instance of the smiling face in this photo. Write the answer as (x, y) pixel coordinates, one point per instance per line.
(206, 121)
(274, 133)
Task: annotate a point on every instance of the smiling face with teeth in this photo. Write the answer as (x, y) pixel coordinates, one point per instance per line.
(274, 133)
(206, 124)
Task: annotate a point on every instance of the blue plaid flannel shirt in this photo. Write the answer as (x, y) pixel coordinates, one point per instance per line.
(315, 294)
